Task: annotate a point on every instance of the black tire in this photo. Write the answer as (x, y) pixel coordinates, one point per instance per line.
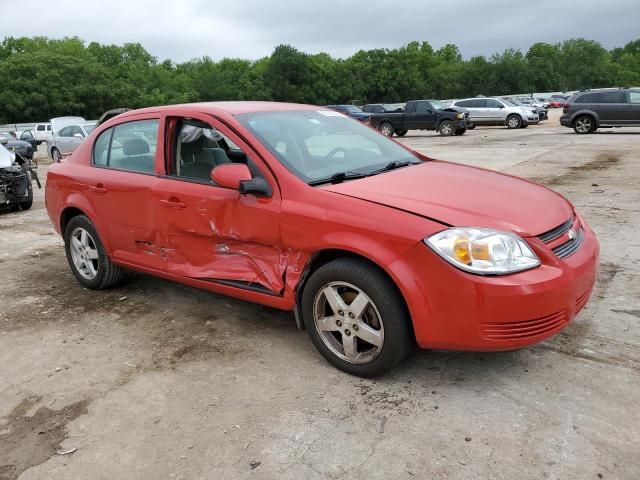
(460, 131)
(513, 121)
(446, 128)
(26, 204)
(471, 127)
(398, 339)
(524, 126)
(584, 124)
(107, 274)
(56, 155)
(401, 133)
(386, 129)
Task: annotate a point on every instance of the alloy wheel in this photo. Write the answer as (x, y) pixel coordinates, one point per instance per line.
(386, 129)
(583, 125)
(84, 253)
(348, 322)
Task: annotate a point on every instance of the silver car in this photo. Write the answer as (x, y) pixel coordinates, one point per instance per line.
(495, 111)
(68, 134)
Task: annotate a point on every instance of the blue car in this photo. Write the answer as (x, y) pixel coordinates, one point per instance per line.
(351, 111)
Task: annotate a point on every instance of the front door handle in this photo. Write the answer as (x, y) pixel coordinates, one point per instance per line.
(173, 203)
(99, 189)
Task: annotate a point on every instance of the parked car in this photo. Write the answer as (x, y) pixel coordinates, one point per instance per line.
(536, 108)
(555, 102)
(43, 132)
(420, 115)
(494, 111)
(16, 146)
(69, 133)
(29, 137)
(372, 245)
(383, 107)
(16, 176)
(351, 111)
(587, 111)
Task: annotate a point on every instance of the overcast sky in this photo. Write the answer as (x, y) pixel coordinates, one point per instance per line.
(185, 29)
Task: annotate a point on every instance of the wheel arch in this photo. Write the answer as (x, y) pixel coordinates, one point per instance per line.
(588, 113)
(322, 257)
(75, 208)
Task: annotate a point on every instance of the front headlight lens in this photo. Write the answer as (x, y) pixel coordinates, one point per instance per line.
(483, 251)
(460, 116)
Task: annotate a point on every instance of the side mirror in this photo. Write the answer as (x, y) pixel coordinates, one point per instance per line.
(256, 186)
(230, 175)
(4, 140)
(501, 106)
(78, 135)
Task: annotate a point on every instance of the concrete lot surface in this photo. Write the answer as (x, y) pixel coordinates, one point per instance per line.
(152, 380)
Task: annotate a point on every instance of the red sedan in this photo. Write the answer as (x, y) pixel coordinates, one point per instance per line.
(373, 246)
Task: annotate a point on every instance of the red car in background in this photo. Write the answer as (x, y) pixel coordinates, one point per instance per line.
(375, 247)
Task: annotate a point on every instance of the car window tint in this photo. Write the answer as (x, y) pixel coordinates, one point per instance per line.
(26, 135)
(65, 132)
(422, 107)
(41, 128)
(76, 130)
(101, 148)
(463, 103)
(133, 146)
(610, 97)
(634, 97)
(492, 103)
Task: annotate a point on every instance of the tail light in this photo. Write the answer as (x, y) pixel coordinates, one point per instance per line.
(565, 107)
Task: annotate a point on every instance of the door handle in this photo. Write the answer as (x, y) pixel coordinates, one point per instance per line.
(99, 189)
(173, 203)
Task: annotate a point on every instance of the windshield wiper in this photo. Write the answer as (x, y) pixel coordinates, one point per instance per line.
(393, 165)
(339, 178)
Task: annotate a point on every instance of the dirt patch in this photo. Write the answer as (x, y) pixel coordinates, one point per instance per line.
(27, 441)
(586, 171)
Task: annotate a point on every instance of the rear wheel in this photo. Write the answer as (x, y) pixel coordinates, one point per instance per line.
(401, 133)
(446, 128)
(471, 127)
(355, 317)
(514, 121)
(584, 124)
(28, 202)
(460, 131)
(387, 129)
(87, 257)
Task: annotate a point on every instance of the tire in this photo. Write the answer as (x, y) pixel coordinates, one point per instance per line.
(383, 318)
(386, 129)
(26, 204)
(524, 126)
(446, 128)
(401, 133)
(56, 155)
(460, 131)
(584, 124)
(471, 127)
(514, 121)
(102, 273)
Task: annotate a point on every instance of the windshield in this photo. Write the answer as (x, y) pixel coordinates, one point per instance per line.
(437, 104)
(511, 103)
(352, 109)
(88, 127)
(317, 144)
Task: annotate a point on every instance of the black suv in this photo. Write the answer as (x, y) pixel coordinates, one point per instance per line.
(603, 108)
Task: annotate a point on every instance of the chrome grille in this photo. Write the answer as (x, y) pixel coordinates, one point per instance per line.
(570, 247)
(556, 232)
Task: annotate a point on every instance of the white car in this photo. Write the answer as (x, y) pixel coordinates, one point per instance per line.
(42, 132)
(68, 134)
(496, 111)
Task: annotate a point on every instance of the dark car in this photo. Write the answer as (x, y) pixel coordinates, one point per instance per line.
(383, 107)
(587, 111)
(17, 146)
(29, 137)
(351, 111)
(421, 115)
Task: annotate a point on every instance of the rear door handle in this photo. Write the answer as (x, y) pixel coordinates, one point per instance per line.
(173, 203)
(99, 189)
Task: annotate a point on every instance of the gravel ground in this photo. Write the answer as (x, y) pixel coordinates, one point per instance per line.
(157, 380)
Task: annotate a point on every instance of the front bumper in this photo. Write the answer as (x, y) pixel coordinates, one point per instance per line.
(459, 124)
(452, 309)
(531, 119)
(565, 120)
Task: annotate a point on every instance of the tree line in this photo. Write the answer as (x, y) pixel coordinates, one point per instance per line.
(42, 78)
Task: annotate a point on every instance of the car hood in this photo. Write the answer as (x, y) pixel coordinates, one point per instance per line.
(460, 195)
(17, 143)
(6, 157)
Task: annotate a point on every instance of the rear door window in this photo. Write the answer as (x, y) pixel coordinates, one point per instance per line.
(634, 97)
(128, 146)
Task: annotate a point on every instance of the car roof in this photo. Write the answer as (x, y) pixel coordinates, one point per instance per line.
(231, 108)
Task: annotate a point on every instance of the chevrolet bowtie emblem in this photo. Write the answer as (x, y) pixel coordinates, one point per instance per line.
(572, 234)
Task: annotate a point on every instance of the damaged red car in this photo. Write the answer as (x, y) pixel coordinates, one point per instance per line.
(375, 247)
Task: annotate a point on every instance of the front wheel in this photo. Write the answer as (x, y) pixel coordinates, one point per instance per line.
(471, 127)
(446, 128)
(356, 318)
(87, 257)
(514, 121)
(387, 129)
(460, 131)
(55, 154)
(28, 202)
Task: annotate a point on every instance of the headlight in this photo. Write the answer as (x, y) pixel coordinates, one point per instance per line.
(460, 116)
(483, 251)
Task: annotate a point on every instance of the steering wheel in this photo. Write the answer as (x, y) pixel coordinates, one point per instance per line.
(334, 152)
